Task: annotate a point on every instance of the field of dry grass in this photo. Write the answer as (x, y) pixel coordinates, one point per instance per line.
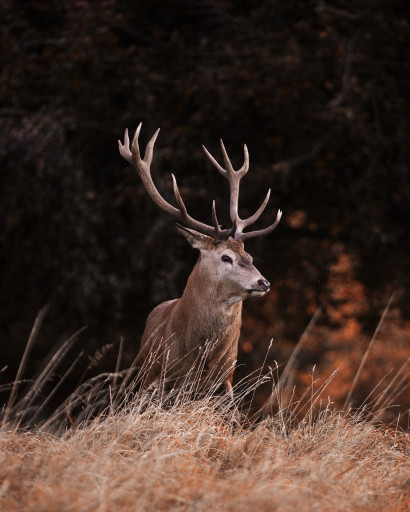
(189, 456)
(115, 446)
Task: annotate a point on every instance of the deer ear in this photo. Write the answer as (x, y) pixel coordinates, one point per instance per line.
(196, 239)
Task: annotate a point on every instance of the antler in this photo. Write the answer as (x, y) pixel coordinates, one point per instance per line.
(143, 167)
(234, 178)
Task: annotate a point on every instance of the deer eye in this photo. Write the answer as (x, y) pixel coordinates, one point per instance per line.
(226, 259)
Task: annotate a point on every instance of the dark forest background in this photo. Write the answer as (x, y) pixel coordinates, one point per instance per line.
(319, 93)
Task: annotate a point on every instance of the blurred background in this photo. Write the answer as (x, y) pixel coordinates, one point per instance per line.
(319, 93)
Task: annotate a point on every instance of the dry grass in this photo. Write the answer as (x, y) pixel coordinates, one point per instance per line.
(188, 457)
(115, 447)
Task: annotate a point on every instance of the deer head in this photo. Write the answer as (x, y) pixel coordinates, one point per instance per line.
(226, 267)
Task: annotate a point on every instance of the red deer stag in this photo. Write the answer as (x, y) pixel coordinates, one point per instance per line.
(210, 308)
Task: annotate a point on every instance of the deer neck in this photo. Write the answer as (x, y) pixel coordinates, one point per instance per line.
(206, 296)
(203, 314)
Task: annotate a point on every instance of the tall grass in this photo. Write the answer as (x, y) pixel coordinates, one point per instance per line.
(188, 457)
(115, 445)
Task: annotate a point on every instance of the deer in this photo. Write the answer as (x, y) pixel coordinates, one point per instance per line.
(210, 308)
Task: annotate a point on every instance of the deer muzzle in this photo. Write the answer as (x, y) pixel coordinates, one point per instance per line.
(264, 285)
(260, 287)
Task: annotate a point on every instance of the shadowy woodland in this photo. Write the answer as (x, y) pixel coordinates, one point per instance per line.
(319, 93)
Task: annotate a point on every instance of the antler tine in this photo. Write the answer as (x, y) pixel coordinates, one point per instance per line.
(125, 148)
(260, 232)
(215, 220)
(142, 165)
(253, 218)
(228, 165)
(245, 167)
(135, 148)
(214, 162)
(178, 197)
(149, 150)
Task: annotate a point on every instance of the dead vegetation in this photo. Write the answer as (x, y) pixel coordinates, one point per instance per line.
(113, 446)
(188, 458)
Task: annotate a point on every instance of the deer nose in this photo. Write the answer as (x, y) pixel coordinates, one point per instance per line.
(264, 284)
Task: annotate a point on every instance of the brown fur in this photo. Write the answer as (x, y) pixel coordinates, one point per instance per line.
(210, 310)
